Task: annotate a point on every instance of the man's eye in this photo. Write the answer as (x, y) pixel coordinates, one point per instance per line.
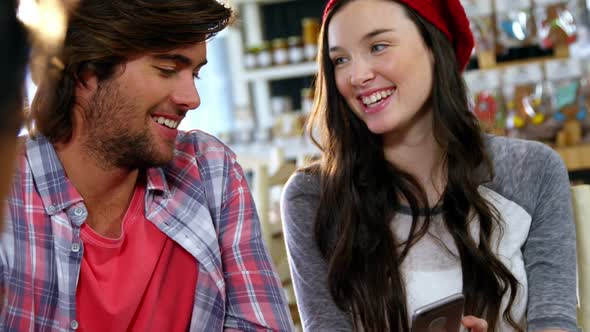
(166, 71)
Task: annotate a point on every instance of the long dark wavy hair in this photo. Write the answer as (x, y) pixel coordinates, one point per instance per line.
(361, 193)
(103, 34)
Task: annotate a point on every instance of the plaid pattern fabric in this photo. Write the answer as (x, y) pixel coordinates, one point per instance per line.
(201, 200)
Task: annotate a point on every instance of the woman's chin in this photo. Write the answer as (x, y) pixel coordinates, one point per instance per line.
(380, 128)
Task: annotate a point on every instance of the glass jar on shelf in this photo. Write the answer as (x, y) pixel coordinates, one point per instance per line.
(295, 49)
(311, 32)
(280, 51)
(264, 56)
(307, 95)
(251, 57)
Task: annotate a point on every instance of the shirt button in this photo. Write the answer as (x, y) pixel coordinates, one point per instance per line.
(75, 247)
(78, 211)
(52, 208)
(74, 324)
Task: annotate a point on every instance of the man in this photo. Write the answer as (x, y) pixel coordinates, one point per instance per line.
(118, 221)
(12, 66)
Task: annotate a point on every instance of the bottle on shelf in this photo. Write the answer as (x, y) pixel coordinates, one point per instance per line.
(280, 51)
(311, 32)
(295, 49)
(264, 56)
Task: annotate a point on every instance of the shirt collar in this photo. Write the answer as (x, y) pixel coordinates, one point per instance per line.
(56, 190)
(156, 181)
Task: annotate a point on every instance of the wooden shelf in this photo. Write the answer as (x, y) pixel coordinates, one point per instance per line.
(281, 72)
(251, 155)
(528, 61)
(575, 157)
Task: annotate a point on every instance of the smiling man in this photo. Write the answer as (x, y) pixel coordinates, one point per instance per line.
(117, 220)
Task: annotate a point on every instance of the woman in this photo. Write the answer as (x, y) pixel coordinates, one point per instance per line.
(410, 202)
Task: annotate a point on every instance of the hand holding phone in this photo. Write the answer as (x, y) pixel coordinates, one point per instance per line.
(441, 316)
(475, 324)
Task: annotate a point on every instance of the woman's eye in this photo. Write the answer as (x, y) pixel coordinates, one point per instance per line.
(378, 47)
(338, 61)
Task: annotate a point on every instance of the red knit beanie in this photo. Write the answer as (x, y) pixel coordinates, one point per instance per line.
(448, 16)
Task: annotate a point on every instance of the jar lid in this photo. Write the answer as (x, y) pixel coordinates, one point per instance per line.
(294, 40)
(279, 43)
(264, 46)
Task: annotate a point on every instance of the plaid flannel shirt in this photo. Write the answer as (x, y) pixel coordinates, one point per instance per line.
(200, 200)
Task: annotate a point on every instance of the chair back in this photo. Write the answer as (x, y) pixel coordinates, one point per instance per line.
(581, 204)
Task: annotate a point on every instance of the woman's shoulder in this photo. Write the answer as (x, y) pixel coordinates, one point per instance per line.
(522, 169)
(514, 150)
(303, 183)
(299, 204)
(522, 158)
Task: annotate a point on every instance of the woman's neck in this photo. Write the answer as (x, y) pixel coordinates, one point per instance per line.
(417, 152)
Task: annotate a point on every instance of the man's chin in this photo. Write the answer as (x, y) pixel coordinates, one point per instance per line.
(162, 160)
(146, 161)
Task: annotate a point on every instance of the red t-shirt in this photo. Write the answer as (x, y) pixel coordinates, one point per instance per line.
(142, 281)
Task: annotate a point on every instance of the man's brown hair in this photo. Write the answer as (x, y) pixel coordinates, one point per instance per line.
(103, 34)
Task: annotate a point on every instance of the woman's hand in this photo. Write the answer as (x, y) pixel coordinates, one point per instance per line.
(475, 324)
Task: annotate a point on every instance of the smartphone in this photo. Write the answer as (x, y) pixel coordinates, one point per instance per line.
(441, 316)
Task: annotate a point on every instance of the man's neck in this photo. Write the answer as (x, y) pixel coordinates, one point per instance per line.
(106, 191)
(417, 152)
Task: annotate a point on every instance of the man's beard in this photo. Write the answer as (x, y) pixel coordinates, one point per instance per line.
(110, 141)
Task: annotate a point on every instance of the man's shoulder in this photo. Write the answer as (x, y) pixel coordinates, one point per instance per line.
(202, 146)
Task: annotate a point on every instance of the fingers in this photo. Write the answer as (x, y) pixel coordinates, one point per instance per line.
(475, 324)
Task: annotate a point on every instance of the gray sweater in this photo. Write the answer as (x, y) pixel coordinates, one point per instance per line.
(531, 192)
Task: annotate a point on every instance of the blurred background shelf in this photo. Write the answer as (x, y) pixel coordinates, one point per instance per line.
(281, 72)
(576, 158)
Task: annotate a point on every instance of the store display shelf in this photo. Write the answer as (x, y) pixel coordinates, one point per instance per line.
(282, 72)
(251, 154)
(576, 158)
(528, 61)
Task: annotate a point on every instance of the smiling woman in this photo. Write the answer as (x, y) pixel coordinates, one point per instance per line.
(411, 202)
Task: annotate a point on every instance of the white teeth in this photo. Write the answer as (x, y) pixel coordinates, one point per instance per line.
(377, 96)
(166, 122)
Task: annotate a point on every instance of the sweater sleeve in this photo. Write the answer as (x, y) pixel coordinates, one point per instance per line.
(550, 250)
(309, 270)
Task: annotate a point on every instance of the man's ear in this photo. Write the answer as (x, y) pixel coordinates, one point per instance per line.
(86, 85)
